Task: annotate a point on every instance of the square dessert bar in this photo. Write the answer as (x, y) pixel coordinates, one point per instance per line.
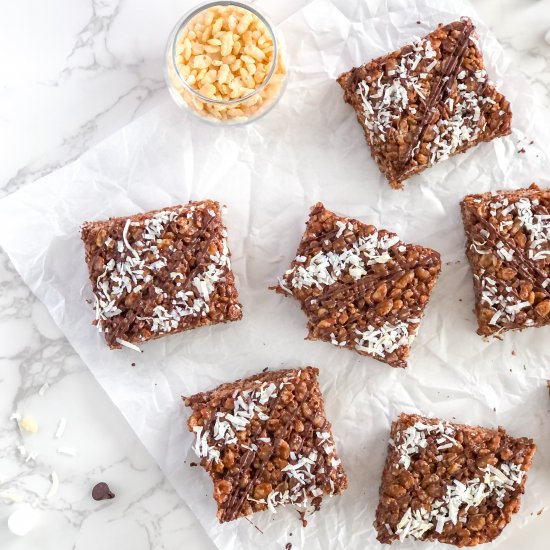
(160, 272)
(426, 101)
(265, 442)
(361, 288)
(450, 483)
(508, 246)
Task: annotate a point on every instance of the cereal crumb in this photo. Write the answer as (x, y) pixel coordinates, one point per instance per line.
(28, 424)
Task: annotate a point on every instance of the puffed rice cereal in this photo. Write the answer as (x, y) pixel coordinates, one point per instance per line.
(225, 63)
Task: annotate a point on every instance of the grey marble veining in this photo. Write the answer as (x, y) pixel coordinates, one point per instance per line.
(75, 71)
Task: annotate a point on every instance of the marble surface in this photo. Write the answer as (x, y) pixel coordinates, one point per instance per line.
(73, 72)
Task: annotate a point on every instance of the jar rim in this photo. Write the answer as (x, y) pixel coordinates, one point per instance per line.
(186, 19)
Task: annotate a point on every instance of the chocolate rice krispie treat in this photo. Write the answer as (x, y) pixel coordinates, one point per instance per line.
(361, 288)
(450, 483)
(160, 272)
(265, 442)
(426, 101)
(508, 246)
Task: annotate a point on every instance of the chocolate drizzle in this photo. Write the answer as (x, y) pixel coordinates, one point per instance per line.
(440, 90)
(371, 280)
(201, 253)
(131, 314)
(236, 502)
(527, 267)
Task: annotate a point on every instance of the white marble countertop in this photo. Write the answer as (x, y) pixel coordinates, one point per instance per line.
(73, 72)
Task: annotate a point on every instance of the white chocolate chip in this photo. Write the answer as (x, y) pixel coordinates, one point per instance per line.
(23, 521)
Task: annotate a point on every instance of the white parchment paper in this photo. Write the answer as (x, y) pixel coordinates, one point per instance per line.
(309, 148)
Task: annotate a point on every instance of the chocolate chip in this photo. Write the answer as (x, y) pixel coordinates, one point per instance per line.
(101, 491)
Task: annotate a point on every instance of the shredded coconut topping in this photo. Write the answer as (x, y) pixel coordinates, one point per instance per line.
(384, 340)
(246, 405)
(325, 268)
(300, 472)
(459, 498)
(383, 102)
(536, 225)
(410, 441)
(506, 306)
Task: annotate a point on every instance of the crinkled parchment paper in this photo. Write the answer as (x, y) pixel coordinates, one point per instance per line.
(309, 148)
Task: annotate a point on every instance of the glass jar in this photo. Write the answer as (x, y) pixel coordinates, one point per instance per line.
(225, 62)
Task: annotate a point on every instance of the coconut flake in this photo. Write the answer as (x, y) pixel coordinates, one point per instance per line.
(31, 456)
(129, 345)
(10, 497)
(54, 487)
(125, 239)
(495, 317)
(62, 424)
(67, 451)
